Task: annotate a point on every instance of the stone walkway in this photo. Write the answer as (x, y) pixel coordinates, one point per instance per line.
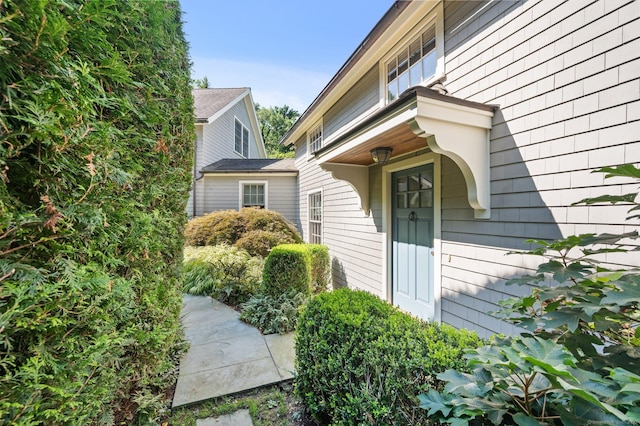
(227, 356)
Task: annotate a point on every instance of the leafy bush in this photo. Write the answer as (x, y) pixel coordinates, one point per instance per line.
(287, 269)
(361, 360)
(225, 273)
(96, 120)
(578, 362)
(230, 226)
(273, 314)
(320, 267)
(260, 243)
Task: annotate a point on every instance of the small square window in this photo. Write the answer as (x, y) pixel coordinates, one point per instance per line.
(253, 195)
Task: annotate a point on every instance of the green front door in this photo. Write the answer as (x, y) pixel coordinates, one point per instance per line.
(412, 248)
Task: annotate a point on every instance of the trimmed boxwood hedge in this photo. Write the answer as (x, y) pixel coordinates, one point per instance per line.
(360, 360)
(297, 268)
(287, 269)
(320, 267)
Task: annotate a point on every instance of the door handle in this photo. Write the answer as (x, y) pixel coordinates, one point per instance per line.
(413, 217)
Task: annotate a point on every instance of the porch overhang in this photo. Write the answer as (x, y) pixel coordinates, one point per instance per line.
(420, 118)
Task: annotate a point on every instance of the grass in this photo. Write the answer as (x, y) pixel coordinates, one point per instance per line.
(271, 405)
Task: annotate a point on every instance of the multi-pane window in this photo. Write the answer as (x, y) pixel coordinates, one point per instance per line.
(315, 218)
(415, 191)
(413, 65)
(315, 138)
(253, 195)
(241, 139)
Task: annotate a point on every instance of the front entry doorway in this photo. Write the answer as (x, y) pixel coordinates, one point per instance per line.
(412, 240)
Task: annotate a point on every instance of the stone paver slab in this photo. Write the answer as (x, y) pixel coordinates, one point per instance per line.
(209, 315)
(224, 381)
(282, 349)
(223, 353)
(239, 418)
(213, 332)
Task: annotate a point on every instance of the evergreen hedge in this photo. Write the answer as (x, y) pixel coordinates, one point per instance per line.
(96, 130)
(287, 269)
(359, 360)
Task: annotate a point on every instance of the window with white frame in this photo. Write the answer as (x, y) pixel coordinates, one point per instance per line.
(315, 218)
(414, 64)
(314, 137)
(253, 194)
(241, 139)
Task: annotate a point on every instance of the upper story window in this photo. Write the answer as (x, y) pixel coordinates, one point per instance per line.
(314, 138)
(413, 64)
(241, 139)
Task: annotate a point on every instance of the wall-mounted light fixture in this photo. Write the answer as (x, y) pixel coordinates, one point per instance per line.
(381, 155)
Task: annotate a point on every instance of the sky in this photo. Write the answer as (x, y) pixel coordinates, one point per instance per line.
(286, 51)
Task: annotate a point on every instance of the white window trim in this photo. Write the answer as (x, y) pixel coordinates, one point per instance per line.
(309, 193)
(241, 185)
(317, 124)
(242, 154)
(435, 17)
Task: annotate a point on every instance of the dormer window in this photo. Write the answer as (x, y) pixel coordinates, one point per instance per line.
(413, 65)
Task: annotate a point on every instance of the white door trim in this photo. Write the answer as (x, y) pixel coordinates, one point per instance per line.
(387, 170)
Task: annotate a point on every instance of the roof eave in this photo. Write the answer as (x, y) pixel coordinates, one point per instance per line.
(390, 16)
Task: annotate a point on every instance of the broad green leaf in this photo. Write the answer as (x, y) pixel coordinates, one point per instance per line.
(521, 419)
(548, 356)
(591, 239)
(628, 292)
(433, 402)
(579, 412)
(625, 170)
(609, 199)
(589, 397)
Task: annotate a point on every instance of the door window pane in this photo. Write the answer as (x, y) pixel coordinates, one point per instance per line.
(413, 182)
(426, 198)
(414, 200)
(402, 184)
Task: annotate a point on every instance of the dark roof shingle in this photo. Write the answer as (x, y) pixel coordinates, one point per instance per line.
(256, 165)
(207, 102)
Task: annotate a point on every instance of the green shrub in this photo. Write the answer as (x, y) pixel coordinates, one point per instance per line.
(578, 361)
(360, 360)
(273, 314)
(260, 243)
(287, 269)
(320, 267)
(96, 119)
(230, 226)
(225, 273)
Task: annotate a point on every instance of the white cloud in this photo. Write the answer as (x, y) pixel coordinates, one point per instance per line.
(271, 85)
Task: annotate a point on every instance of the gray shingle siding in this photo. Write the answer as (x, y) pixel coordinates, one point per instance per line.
(566, 77)
(561, 73)
(363, 96)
